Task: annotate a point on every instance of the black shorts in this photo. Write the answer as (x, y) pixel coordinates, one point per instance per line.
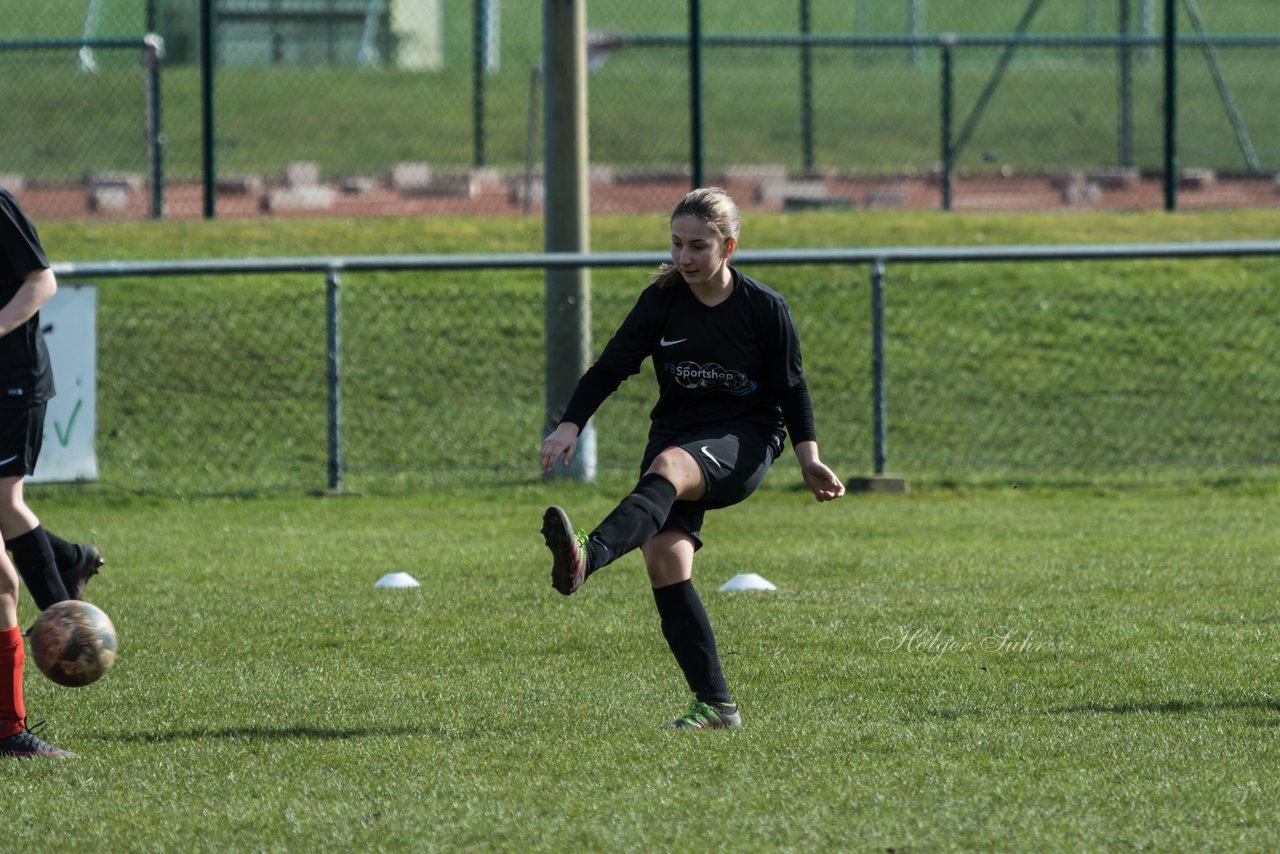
(21, 436)
(734, 459)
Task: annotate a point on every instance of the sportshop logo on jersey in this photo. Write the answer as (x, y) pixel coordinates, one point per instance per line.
(710, 377)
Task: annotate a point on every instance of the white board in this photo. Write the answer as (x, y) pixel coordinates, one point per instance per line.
(71, 419)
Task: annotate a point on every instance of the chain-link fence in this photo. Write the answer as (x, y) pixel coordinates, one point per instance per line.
(360, 107)
(1022, 372)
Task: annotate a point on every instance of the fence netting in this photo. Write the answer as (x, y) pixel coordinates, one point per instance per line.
(417, 107)
(1023, 373)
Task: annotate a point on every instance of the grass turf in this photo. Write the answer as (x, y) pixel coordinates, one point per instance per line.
(977, 668)
(992, 669)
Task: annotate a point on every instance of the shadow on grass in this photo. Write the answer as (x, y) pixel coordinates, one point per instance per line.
(1167, 707)
(259, 733)
(1171, 707)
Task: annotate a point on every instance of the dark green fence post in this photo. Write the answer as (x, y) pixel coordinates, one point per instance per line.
(1170, 105)
(879, 407)
(806, 87)
(948, 43)
(333, 346)
(696, 153)
(1126, 86)
(153, 49)
(208, 61)
(478, 49)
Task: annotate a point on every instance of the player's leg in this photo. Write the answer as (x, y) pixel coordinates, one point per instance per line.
(673, 474)
(734, 462)
(32, 552)
(668, 558)
(15, 739)
(52, 568)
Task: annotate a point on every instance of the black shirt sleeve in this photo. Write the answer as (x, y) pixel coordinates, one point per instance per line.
(26, 376)
(797, 412)
(20, 249)
(620, 359)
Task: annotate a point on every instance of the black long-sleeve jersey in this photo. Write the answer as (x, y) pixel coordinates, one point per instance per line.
(738, 361)
(26, 376)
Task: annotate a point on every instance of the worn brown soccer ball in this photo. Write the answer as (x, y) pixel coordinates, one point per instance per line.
(73, 643)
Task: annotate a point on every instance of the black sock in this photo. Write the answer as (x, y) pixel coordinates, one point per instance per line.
(636, 518)
(687, 629)
(33, 557)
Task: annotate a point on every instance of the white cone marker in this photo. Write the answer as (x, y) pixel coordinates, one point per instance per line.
(397, 579)
(748, 581)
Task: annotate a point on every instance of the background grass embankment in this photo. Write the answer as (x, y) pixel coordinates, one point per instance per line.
(1111, 372)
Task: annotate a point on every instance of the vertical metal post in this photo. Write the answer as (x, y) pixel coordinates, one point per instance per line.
(479, 37)
(566, 217)
(153, 52)
(696, 154)
(915, 26)
(806, 87)
(879, 408)
(531, 138)
(208, 61)
(948, 43)
(1126, 85)
(333, 353)
(1170, 105)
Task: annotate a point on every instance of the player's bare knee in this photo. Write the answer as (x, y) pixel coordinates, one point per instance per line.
(8, 585)
(679, 468)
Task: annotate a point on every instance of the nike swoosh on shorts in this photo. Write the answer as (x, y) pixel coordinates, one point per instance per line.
(708, 455)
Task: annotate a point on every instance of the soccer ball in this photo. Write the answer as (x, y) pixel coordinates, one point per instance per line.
(73, 643)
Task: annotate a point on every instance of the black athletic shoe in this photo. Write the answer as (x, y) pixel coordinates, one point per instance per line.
(568, 551)
(76, 577)
(24, 744)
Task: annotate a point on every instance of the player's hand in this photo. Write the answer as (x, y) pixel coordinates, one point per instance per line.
(822, 481)
(563, 440)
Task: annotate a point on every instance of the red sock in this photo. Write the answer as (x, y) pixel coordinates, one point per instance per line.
(12, 714)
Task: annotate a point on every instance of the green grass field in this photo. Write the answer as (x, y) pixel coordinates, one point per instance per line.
(990, 664)
(1002, 669)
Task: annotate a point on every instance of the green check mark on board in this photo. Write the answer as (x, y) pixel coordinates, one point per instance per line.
(64, 438)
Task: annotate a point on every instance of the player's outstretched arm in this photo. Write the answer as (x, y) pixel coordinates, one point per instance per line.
(820, 479)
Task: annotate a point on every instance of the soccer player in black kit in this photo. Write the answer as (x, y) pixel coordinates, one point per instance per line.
(52, 568)
(730, 388)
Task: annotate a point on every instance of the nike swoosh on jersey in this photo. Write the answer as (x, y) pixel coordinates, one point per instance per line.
(709, 456)
(663, 342)
(9, 460)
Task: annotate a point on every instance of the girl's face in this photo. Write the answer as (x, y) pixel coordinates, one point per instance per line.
(700, 254)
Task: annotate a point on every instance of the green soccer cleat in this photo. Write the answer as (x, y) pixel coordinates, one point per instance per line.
(568, 551)
(708, 716)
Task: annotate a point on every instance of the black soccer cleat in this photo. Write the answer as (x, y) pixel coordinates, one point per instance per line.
(568, 551)
(76, 577)
(25, 744)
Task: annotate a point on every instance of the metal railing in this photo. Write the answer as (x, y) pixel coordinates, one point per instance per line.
(877, 258)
